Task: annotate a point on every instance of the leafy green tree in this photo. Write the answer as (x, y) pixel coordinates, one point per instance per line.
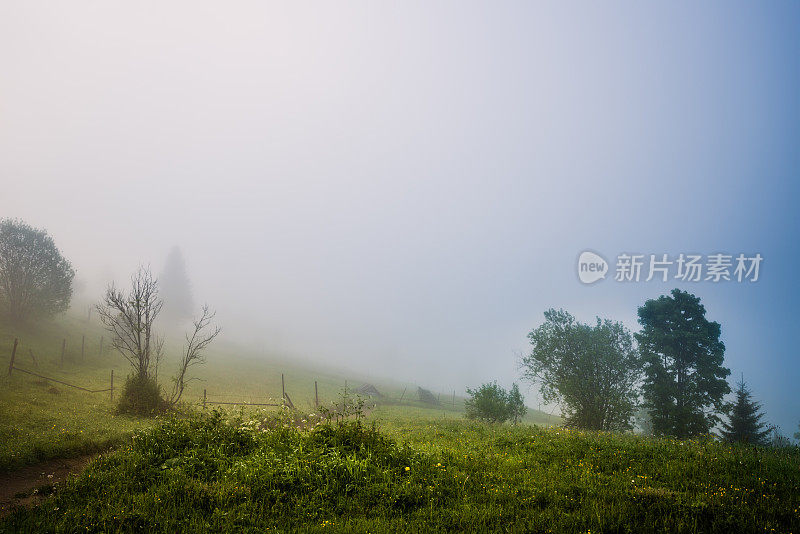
(488, 403)
(745, 425)
(685, 381)
(35, 279)
(591, 371)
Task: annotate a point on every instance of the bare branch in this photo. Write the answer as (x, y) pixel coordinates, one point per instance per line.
(196, 342)
(129, 318)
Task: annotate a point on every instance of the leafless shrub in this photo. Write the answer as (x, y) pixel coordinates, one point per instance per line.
(202, 335)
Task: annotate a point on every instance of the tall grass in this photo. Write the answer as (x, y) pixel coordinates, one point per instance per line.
(206, 474)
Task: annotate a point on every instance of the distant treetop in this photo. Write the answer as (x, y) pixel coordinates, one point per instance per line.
(176, 290)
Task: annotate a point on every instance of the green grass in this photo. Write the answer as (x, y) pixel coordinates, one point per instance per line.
(41, 420)
(444, 474)
(222, 473)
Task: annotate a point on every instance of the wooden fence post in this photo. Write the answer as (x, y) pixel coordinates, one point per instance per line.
(83, 345)
(35, 363)
(13, 355)
(63, 348)
(204, 398)
(112, 385)
(316, 394)
(283, 391)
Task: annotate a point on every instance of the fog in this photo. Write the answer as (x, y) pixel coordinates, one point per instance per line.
(403, 189)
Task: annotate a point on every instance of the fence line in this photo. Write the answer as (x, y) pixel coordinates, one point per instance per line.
(206, 401)
(242, 403)
(12, 367)
(62, 382)
(285, 398)
(85, 349)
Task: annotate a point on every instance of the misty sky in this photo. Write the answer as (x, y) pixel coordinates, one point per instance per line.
(404, 187)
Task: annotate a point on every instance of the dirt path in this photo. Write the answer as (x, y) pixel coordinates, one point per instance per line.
(22, 487)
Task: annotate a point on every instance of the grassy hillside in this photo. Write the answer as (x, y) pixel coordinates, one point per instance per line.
(420, 475)
(41, 419)
(421, 468)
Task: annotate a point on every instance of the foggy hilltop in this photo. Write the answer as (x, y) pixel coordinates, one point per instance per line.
(368, 266)
(404, 191)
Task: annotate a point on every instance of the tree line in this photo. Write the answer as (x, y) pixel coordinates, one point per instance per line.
(673, 373)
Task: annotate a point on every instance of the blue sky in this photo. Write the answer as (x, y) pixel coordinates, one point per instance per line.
(404, 188)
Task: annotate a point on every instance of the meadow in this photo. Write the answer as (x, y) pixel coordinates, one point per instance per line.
(397, 467)
(219, 472)
(41, 420)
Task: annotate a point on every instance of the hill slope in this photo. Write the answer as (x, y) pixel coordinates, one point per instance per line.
(43, 419)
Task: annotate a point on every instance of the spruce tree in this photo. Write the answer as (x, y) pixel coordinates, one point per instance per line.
(175, 288)
(685, 381)
(745, 425)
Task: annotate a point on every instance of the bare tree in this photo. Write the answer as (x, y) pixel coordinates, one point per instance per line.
(129, 317)
(199, 339)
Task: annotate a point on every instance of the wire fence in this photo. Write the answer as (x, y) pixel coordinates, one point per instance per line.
(285, 399)
(12, 367)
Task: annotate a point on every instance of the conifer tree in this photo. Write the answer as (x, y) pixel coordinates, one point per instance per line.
(745, 425)
(684, 383)
(175, 288)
